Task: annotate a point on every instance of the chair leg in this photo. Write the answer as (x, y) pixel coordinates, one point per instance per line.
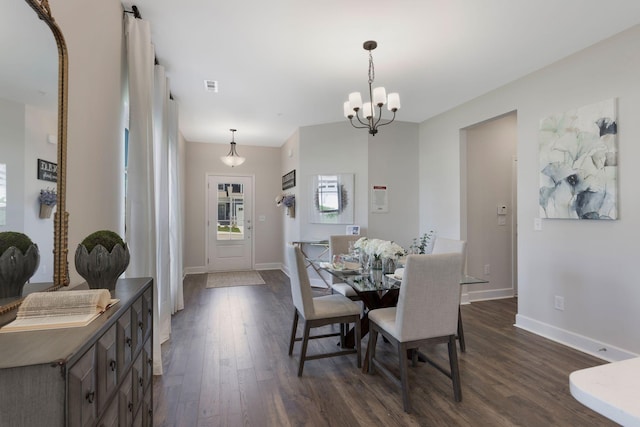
(358, 338)
(303, 353)
(293, 331)
(404, 376)
(371, 347)
(455, 370)
(463, 347)
(343, 332)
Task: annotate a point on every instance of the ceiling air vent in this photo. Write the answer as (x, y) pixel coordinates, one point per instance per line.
(211, 86)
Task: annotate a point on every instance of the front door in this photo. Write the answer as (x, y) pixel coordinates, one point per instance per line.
(229, 224)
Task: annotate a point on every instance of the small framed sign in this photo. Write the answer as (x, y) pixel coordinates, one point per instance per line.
(289, 180)
(379, 199)
(47, 171)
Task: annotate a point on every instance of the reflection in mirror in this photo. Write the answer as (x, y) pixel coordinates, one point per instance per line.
(230, 212)
(332, 199)
(3, 194)
(33, 94)
(28, 105)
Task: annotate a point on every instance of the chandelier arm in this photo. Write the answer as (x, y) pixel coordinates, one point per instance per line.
(375, 124)
(358, 127)
(365, 124)
(386, 123)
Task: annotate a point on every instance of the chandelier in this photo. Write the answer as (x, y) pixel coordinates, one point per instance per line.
(233, 158)
(377, 98)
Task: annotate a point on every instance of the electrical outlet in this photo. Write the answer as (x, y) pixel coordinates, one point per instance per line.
(487, 269)
(559, 303)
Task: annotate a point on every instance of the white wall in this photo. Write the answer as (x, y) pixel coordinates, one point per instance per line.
(590, 263)
(393, 161)
(333, 148)
(264, 164)
(95, 173)
(290, 160)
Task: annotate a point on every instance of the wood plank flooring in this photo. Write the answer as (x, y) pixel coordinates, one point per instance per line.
(227, 365)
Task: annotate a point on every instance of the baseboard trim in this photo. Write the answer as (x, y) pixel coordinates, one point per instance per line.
(578, 342)
(262, 266)
(489, 294)
(195, 270)
(268, 266)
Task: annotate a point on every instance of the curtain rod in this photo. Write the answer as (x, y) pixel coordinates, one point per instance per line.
(135, 11)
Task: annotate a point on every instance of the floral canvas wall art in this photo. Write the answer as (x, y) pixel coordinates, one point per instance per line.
(579, 163)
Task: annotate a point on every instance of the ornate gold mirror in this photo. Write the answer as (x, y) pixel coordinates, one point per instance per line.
(60, 225)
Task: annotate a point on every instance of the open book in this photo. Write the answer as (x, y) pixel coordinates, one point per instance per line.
(63, 309)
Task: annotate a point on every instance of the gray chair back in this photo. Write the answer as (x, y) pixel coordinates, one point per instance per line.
(429, 296)
(300, 286)
(443, 245)
(339, 244)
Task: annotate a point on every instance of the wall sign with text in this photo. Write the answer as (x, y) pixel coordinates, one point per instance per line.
(379, 199)
(289, 180)
(47, 171)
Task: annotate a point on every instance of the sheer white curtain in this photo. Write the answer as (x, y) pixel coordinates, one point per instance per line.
(150, 217)
(175, 214)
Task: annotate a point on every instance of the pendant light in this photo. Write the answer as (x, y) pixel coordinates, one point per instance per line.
(377, 98)
(233, 158)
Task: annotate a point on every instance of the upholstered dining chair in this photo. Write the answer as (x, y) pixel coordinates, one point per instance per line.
(442, 246)
(339, 244)
(426, 313)
(318, 311)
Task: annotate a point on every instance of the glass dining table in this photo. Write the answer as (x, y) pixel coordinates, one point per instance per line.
(378, 290)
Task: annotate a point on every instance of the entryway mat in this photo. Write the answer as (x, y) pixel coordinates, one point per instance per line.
(225, 279)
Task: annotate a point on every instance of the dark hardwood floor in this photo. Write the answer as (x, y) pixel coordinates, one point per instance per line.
(227, 365)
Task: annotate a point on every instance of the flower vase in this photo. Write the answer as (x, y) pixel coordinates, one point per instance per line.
(388, 265)
(364, 261)
(45, 211)
(376, 263)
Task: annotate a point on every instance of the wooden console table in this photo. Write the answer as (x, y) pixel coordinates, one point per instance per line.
(99, 374)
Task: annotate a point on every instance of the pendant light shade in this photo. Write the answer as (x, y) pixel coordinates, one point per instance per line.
(233, 158)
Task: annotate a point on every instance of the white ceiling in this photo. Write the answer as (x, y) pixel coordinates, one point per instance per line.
(282, 64)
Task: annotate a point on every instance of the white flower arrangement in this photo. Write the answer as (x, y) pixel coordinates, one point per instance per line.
(379, 248)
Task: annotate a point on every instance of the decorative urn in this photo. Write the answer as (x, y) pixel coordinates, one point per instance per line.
(19, 260)
(101, 258)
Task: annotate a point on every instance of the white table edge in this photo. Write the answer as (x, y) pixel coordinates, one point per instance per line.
(612, 389)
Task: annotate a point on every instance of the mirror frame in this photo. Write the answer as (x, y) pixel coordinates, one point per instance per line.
(61, 217)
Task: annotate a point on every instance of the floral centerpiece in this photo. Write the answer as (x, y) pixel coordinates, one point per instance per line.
(288, 201)
(48, 199)
(377, 250)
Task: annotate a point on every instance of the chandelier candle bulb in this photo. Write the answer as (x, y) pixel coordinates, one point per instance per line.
(393, 101)
(379, 96)
(368, 111)
(348, 111)
(355, 100)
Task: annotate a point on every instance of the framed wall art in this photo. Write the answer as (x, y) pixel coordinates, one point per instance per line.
(332, 199)
(578, 156)
(289, 180)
